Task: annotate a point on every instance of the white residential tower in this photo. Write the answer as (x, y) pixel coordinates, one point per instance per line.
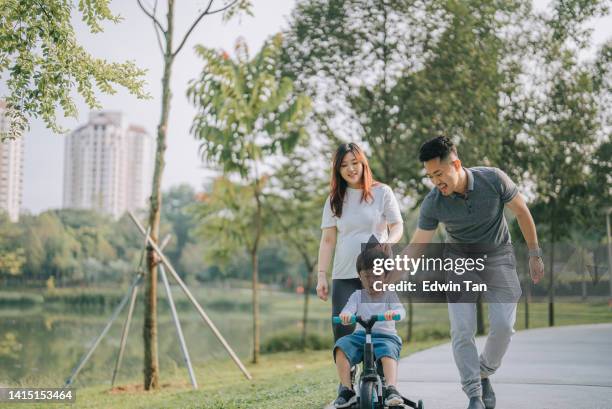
(108, 165)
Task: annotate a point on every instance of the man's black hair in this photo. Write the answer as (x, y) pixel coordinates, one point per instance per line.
(438, 147)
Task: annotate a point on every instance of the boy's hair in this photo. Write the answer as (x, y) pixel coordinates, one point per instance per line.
(365, 260)
(439, 147)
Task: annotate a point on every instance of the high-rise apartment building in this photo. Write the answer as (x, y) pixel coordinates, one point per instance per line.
(11, 170)
(108, 165)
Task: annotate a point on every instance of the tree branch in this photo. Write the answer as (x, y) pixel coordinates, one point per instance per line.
(155, 28)
(152, 17)
(224, 7)
(195, 23)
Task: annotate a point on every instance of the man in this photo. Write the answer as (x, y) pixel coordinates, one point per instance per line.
(470, 203)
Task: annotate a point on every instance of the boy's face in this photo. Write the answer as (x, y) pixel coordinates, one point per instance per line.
(368, 278)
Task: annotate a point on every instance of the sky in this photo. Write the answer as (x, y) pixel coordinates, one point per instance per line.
(134, 39)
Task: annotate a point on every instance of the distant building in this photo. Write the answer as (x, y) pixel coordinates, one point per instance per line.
(107, 165)
(11, 170)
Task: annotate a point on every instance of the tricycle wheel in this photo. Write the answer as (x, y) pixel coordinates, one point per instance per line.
(367, 395)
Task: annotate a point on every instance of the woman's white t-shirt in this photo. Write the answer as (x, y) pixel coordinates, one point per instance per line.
(360, 219)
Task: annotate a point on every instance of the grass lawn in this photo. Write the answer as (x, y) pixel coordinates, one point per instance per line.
(296, 380)
(282, 380)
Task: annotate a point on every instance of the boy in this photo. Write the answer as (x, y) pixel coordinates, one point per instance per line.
(348, 350)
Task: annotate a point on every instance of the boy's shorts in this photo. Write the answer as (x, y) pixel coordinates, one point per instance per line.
(384, 345)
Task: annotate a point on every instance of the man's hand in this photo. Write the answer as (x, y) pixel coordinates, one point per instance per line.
(536, 269)
(322, 287)
(346, 318)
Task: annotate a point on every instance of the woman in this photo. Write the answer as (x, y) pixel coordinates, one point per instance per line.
(356, 208)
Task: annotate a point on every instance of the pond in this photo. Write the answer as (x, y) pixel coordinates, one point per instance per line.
(41, 344)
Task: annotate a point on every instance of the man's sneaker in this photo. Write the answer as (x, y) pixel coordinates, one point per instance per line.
(393, 397)
(488, 396)
(476, 403)
(346, 397)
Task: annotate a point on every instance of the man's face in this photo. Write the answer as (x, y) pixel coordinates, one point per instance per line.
(444, 174)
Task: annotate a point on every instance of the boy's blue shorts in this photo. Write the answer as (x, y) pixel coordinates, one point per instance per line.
(384, 345)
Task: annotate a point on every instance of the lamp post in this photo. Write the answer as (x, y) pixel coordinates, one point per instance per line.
(608, 211)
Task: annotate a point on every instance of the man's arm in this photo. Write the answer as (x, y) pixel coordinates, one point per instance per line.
(419, 240)
(518, 206)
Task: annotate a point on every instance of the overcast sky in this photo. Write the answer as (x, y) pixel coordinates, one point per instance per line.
(133, 39)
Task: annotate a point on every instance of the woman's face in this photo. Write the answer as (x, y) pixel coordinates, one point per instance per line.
(351, 170)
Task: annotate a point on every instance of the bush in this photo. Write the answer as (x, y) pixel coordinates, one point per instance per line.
(431, 334)
(19, 299)
(292, 341)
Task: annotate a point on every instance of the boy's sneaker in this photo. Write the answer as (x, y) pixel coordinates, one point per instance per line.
(393, 397)
(346, 397)
(488, 396)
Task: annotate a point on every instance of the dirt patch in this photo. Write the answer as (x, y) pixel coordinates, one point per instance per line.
(135, 388)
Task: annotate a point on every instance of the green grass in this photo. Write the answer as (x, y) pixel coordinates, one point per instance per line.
(283, 380)
(296, 380)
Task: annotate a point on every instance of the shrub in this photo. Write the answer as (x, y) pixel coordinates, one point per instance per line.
(292, 341)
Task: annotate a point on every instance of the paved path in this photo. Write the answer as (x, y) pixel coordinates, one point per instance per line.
(548, 368)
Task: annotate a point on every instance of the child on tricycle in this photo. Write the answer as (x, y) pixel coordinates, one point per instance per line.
(374, 312)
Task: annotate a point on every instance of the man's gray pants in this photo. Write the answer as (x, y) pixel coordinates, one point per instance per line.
(503, 287)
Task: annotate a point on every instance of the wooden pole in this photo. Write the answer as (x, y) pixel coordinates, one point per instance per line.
(191, 298)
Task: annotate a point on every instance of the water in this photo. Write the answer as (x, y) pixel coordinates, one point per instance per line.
(40, 346)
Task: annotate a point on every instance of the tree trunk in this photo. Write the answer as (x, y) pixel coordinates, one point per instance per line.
(527, 291)
(151, 360)
(410, 319)
(255, 265)
(480, 325)
(310, 269)
(551, 286)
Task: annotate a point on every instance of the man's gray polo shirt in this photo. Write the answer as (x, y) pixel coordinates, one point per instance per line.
(477, 217)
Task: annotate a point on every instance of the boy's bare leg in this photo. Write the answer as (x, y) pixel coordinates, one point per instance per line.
(344, 368)
(390, 370)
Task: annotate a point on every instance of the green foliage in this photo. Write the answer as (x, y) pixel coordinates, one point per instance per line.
(398, 73)
(292, 341)
(502, 80)
(44, 64)
(225, 220)
(245, 110)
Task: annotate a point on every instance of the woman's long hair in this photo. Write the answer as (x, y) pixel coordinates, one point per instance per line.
(338, 185)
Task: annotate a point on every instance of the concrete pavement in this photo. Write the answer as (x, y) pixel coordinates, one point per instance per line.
(547, 368)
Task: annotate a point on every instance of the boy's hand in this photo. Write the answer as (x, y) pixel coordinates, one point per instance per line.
(346, 318)
(389, 315)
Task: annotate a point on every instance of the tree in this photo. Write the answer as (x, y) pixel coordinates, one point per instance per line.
(566, 127)
(174, 209)
(397, 73)
(44, 64)
(247, 112)
(12, 255)
(298, 191)
(229, 8)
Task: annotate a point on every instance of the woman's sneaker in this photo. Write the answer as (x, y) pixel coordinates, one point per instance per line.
(346, 397)
(393, 397)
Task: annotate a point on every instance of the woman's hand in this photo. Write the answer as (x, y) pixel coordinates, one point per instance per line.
(322, 287)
